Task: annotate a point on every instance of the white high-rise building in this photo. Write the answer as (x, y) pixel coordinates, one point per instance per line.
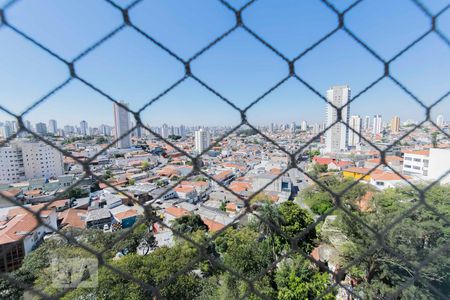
(336, 138)
(201, 140)
(292, 127)
(304, 126)
(15, 126)
(165, 131)
(5, 130)
(182, 131)
(28, 125)
(69, 129)
(84, 128)
(105, 130)
(41, 160)
(28, 160)
(377, 124)
(315, 128)
(366, 124)
(356, 125)
(122, 125)
(440, 121)
(52, 126)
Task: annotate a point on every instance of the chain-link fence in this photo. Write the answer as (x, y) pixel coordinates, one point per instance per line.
(202, 247)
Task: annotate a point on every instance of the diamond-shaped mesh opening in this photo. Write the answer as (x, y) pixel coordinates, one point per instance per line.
(253, 205)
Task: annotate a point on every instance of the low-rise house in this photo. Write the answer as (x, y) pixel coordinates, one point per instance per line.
(360, 173)
(162, 194)
(173, 212)
(127, 218)
(395, 162)
(72, 217)
(224, 176)
(270, 184)
(98, 218)
(13, 193)
(213, 226)
(386, 180)
(187, 193)
(199, 186)
(339, 165)
(20, 233)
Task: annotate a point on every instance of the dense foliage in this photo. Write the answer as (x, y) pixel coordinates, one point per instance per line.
(415, 238)
(248, 250)
(320, 200)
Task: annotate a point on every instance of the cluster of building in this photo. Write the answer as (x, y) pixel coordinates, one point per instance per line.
(153, 173)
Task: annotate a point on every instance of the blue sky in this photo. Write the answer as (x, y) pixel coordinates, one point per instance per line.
(128, 67)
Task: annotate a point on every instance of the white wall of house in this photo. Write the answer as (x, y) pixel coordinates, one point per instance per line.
(415, 164)
(439, 164)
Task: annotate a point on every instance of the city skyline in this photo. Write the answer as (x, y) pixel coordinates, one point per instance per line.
(439, 119)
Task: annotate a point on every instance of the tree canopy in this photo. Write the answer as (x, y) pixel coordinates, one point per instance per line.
(415, 238)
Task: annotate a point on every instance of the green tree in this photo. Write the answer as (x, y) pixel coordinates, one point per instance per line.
(294, 221)
(223, 206)
(145, 165)
(312, 153)
(75, 192)
(414, 239)
(434, 141)
(298, 278)
(101, 140)
(189, 224)
(107, 175)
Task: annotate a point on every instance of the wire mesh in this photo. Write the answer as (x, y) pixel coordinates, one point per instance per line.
(291, 74)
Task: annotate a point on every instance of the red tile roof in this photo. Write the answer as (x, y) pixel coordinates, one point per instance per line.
(213, 226)
(73, 217)
(386, 176)
(126, 214)
(417, 152)
(176, 211)
(322, 160)
(184, 189)
(20, 223)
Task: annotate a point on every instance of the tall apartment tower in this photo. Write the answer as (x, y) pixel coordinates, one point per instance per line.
(165, 131)
(366, 124)
(5, 131)
(28, 160)
(356, 125)
(122, 125)
(395, 124)
(336, 138)
(41, 128)
(377, 124)
(84, 128)
(304, 126)
(201, 140)
(52, 126)
(440, 121)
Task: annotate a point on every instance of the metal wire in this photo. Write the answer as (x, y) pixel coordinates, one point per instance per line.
(292, 74)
